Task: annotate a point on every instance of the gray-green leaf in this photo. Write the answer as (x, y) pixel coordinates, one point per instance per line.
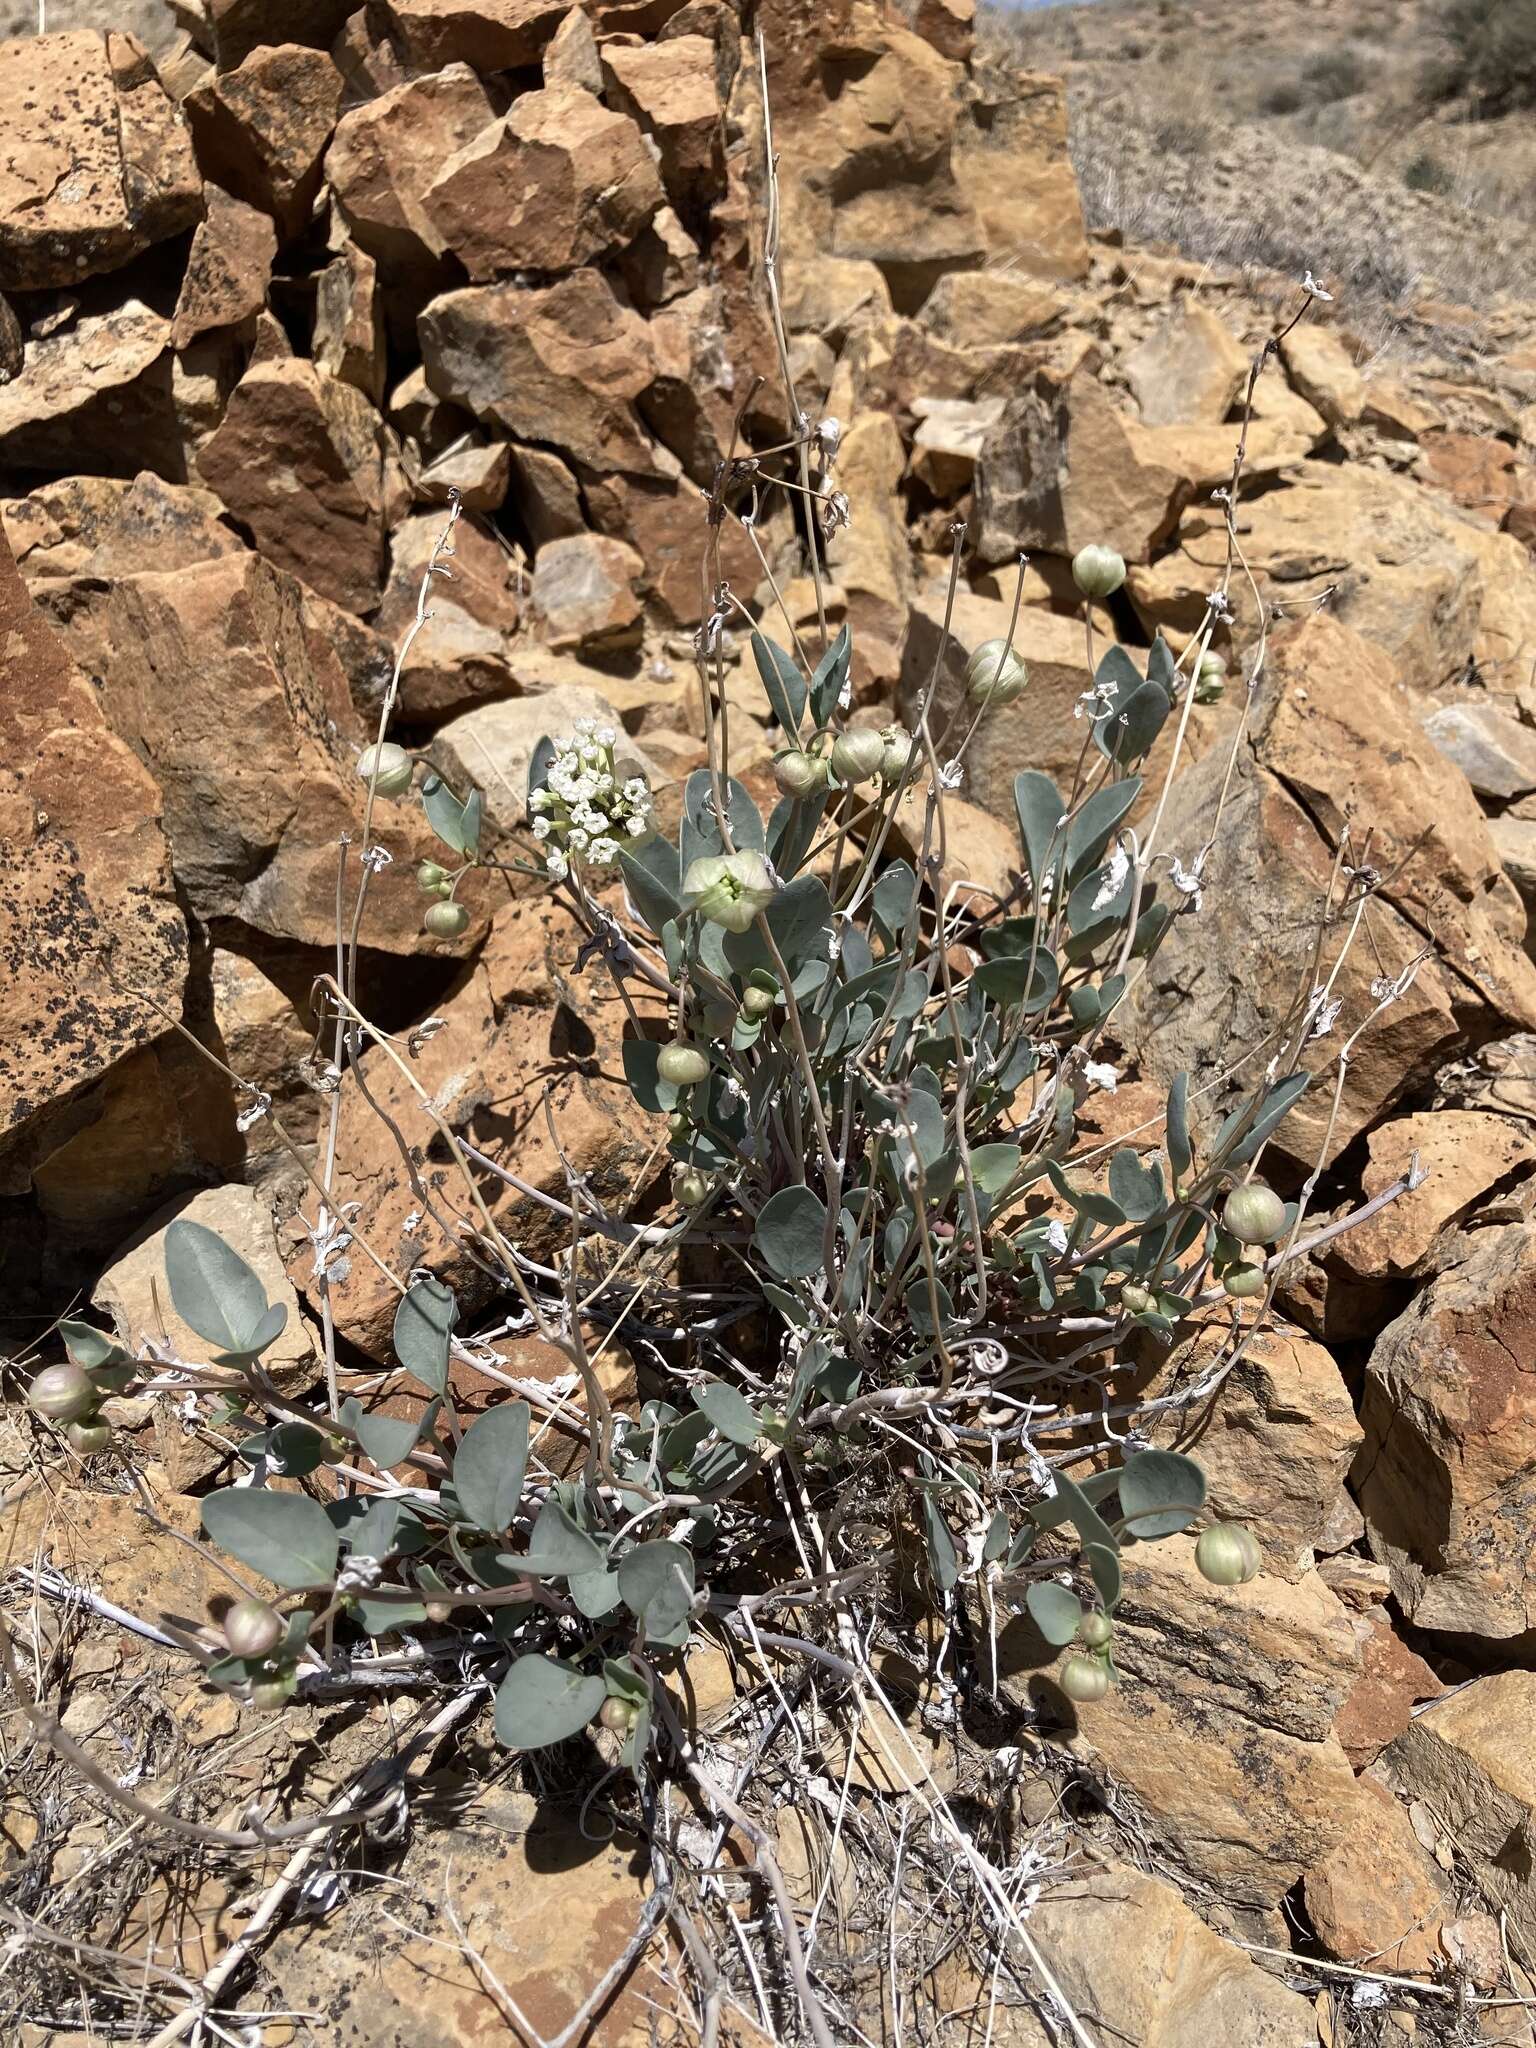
(215, 1292)
(543, 1700)
(287, 1537)
(789, 1232)
(489, 1464)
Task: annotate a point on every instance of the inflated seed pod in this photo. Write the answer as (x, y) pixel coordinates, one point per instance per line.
(1098, 571)
(388, 767)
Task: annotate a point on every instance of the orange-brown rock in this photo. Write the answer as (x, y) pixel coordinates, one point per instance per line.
(672, 88)
(96, 163)
(102, 382)
(1393, 1681)
(240, 26)
(228, 269)
(386, 153)
(489, 35)
(1378, 1898)
(348, 343)
(463, 655)
(104, 526)
(1463, 1154)
(584, 593)
(261, 129)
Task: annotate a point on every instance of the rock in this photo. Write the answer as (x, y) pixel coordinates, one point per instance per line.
(242, 712)
(521, 1033)
(1275, 1445)
(1225, 1706)
(950, 25)
(1449, 1432)
(1514, 839)
(1463, 1154)
(832, 295)
(262, 129)
(559, 182)
(1013, 168)
(464, 655)
(240, 26)
(1191, 367)
(12, 343)
(133, 1291)
(870, 557)
(662, 262)
(667, 524)
(980, 849)
(1482, 475)
(1393, 1680)
(259, 1033)
(560, 364)
(488, 35)
(1495, 752)
(103, 526)
(1470, 1759)
(492, 746)
(1063, 468)
(386, 154)
(672, 89)
(986, 309)
(104, 383)
(584, 591)
(1321, 368)
(949, 437)
(298, 462)
(545, 494)
(1315, 756)
(89, 910)
(691, 402)
(570, 56)
(228, 269)
(106, 1541)
(98, 162)
(479, 473)
(348, 343)
(1377, 1899)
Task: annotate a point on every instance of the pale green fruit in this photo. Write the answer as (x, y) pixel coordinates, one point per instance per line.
(856, 756)
(446, 920)
(800, 775)
(1084, 1678)
(387, 766)
(1254, 1214)
(1242, 1283)
(619, 1716)
(690, 1187)
(253, 1629)
(1097, 1628)
(900, 748)
(87, 1438)
(994, 674)
(268, 1694)
(1098, 571)
(729, 889)
(757, 1003)
(682, 1066)
(1228, 1555)
(1212, 666)
(63, 1393)
(1135, 1300)
(430, 877)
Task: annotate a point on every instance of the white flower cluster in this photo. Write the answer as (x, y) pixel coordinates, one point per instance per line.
(584, 812)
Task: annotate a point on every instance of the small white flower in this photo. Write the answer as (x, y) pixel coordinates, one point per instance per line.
(638, 826)
(377, 859)
(830, 433)
(1056, 1236)
(1187, 880)
(253, 1112)
(1114, 878)
(1098, 1074)
(1314, 290)
(1323, 1012)
(1219, 605)
(542, 828)
(952, 775)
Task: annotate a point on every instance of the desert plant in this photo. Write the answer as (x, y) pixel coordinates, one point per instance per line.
(1333, 75)
(1489, 55)
(1426, 173)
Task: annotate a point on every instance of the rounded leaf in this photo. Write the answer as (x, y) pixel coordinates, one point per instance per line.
(1055, 1611)
(215, 1292)
(489, 1464)
(1160, 1493)
(287, 1537)
(543, 1700)
(790, 1229)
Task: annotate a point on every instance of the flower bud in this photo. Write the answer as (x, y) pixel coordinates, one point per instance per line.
(1242, 1283)
(253, 1629)
(1212, 666)
(856, 756)
(1135, 1300)
(1228, 1555)
(729, 889)
(388, 767)
(799, 774)
(1098, 571)
(63, 1393)
(86, 1438)
(446, 920)
(1254, 1214)
(994, 674)
(900, 747)
(682, 1066)
(690, 1187)
(679, 1124)
(757, 1003)
(429, 876)
(1096, 1629)
(618, 1715)
(269, 1694)
(1084, 1678)
(439, 1610)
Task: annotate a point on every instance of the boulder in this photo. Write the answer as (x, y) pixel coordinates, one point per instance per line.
(987, 309)
(672, 88)
(97, 164)
(584, 593)
(1495, 752)
(101, 382)
(1463, 1154)
(1014, 170)
(559, 182)
(1189, 368)
(228, 269)
(463, 655)
(1225, 1706)
(386, 154)
(830, 296)
(1450, 1436)
(1393, 1679)
(545, 494)
(1471, 1760)
(949, 438)
(570, 55)
(488, 35)
(89, 911)
(491, 746)
(240, 26)
(1324, 372)
(245, 718)
(261, 129)
(1378, 1898)
(299, 462)
(691, 402)
(561, 364)
(667, 524)
(1315, 757)
(106, 526)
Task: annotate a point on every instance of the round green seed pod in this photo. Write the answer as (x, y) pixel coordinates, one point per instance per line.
(388, 767)
(1097, 1628)
(1098, 571)
(856, 756)
(1135, 1299)
(618, 1715)
(439, 1610)
(1228, 1555)
(1084, 1678)
(1254, 1214)
(994, 674)
(799, 774)
(1242, 1283)
(253, 1629)
(269, 1694)
(757, 1003)
(682, 1066)
(63, 1393)
(1212, 668)
(87, 1438)
(430, 877)
(900, 746)
(690, 1187)
(446, 920)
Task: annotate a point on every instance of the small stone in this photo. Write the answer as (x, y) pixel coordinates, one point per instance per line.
(228, 269)
(1494, 751)
(584, 591)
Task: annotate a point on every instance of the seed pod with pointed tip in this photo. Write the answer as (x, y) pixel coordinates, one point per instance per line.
(757, 1003)
(856, 756)
(682, 1066)
(253, 1629)
(1228, 1555)
(618, 1715)
(87, 1438)
(446, 920)
(799, 774)
(1096, 1628)
(1084, 1678)
(1254, 1214)
(994, 674)
(1242, 1283)
(690, 1187)
(1135, 1299)
(900, 746)
(430, 877)
(269, 1694)
(1098, 571)
(388, 767)
(63, 1393)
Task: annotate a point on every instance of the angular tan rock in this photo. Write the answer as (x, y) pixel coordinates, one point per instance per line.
(1225, 1707)
(691, 402)
(1495, 752)
(386, 154)
(831, 295)
(662, 262)
(97, 162)
(1322, 369)
(478, 472)
(240, 26)
(489, 35)
(667, 526)
(1377, 1898)
(672, 89)
(103, 382)
(870, 557)
(546, 495)
(1316, 756)
(348, 342)
(262, 1036)
(1450, 1424)
(246, 719)
(1013, 167)
(1462, 1153)
(464, 655)
(262, 129)
(89, 909)
(570, 55)
(1393, 1679)
(298, 461)
(228, 269)
(982, 309)
(584, 592)
(949, 438)
(562, 365)
(1191, 367)
(1471, 1760)
(104, 526)
(559, 182)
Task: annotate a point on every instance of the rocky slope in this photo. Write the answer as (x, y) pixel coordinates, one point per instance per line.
(267, 299)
